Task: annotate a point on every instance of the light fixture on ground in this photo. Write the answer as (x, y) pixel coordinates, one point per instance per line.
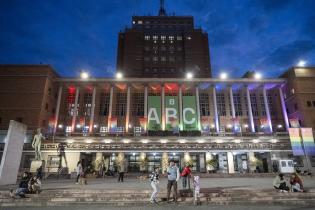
(301, 63)
(256, 141)
(223, 75)
(279, 126)
(257, 76)
(144, 141)
(237, 141)
(84, 75)
(163, 141)
(107, 141)
(189, 75)
(126, 141)
(119, 75)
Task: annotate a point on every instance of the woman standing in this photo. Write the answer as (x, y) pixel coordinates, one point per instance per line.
(154, 178)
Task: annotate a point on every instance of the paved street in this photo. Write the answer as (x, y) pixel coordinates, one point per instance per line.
(166, 207)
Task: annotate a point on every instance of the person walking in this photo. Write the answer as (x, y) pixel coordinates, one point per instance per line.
(154, 178)
(172, 177)
(79, 171)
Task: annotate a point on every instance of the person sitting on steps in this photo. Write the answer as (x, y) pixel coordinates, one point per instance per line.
(280, 183)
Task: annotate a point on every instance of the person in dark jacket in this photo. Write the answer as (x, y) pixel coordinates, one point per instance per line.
(22, 188)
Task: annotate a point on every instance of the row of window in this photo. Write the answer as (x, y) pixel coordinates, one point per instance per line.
(164, 38)
(140, 22)
(162, 58)
(163, 48)
(137, 104)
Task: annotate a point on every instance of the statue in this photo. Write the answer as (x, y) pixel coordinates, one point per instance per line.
(36, 144)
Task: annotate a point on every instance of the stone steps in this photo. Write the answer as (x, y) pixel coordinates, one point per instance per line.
(66, 197)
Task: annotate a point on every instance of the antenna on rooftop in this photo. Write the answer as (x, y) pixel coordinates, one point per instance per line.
(162, 11)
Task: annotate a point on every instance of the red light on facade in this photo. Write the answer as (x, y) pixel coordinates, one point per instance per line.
(71, 89)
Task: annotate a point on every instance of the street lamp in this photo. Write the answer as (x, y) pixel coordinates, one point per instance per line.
(119, 75)
(189, 75)
(301, 63)
(84, 75)
(257, 76)
(223, 75)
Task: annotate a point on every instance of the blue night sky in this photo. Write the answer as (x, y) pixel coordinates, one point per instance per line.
(71, 35)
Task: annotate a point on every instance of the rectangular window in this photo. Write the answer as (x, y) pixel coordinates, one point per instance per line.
(179, 38)
(137, 108)
(221, 104)
(121, 103)
(204, 104)
(163, 38)
(70, 102)
(155, 37)
(295, 107)
(171, 38)
(146, 37)
(262, 105)
(270, 104)
(104, 104)
(237, 104)
(253, 101)
(87, 100)
(314, 103)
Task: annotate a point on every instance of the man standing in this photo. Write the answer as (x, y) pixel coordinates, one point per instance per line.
(173, 177)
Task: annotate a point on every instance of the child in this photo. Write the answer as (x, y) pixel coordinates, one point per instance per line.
(154, 178)
(196, 190)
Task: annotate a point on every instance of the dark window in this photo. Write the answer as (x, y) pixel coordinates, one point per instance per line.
(313, 103)
(53, 111)
(295, 107)
(0, 120)
(309, 103)
(46, 106)
(44, 123)
(19, 119)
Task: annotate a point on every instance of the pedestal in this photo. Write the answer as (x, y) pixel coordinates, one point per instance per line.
(12, 153)
(35, 164)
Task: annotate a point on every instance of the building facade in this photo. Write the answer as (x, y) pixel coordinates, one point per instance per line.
(240, 123)
(154, 114)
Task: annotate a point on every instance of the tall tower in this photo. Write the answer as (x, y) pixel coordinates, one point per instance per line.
(163, 46)
(162, 11)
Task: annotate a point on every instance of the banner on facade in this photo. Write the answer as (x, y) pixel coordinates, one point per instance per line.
(308, 141)
(294, 122)
(190, 117)
(296, 142)
(154, 113)
(113, 124)
(171, 113)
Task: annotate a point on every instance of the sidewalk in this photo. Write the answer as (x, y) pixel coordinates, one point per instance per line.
(134, 183)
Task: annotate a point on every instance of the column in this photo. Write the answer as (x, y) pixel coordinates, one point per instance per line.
(75, 109)
(110, 108)
(284, 109)
(146, 106)
(57, 109)
(216, 117)
(180, 101)
(128, 109)
(91, 127)
(267, 108)
(232, 102)
(163, 107)
(198, 108)
(230, 160)
(250, 111)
